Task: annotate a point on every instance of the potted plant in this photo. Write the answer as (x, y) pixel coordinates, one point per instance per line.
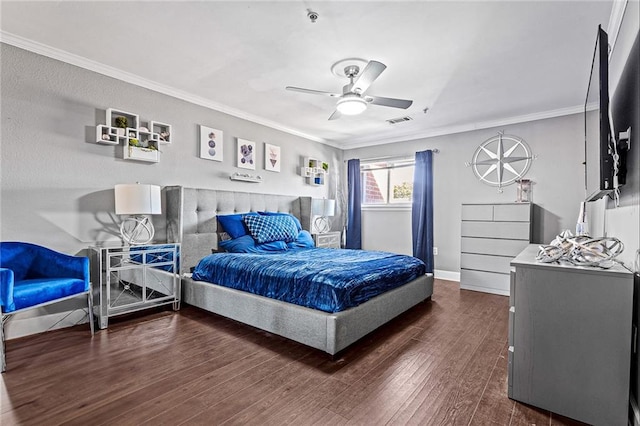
(121, 124)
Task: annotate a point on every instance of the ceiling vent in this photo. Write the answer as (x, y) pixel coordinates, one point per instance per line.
(399, 120)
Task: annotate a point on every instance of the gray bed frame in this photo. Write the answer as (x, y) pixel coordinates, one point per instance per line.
(191, 221)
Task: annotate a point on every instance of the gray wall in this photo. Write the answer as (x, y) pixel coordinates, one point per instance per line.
(57, 183)
(557, 174)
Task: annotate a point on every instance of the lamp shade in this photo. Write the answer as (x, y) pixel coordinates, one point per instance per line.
(137, 199)
(323, 207)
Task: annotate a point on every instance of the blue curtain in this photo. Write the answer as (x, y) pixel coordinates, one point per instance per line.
(422, 209)
(354, 226)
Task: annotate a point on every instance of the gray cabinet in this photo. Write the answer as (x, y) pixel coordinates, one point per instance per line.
(492, 235)
(570, 339)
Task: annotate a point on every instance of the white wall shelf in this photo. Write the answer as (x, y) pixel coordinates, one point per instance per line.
(121, 119)
(107, 135)
(246, 177)
(161, 132)
(151, 155)
(140, 139)
(314, 171)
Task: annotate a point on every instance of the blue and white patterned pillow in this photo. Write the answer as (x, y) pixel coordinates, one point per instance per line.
(271, 228)
(295, 219)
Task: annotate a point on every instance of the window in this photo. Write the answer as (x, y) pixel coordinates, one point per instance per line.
(387, 182)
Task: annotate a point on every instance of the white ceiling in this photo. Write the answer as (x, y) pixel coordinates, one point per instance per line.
(473, 64)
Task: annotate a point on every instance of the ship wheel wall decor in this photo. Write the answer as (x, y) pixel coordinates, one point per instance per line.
(501, 160)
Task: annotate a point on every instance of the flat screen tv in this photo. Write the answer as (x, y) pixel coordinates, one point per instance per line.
(599, 146)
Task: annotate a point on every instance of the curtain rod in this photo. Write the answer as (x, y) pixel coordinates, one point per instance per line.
(394, 157)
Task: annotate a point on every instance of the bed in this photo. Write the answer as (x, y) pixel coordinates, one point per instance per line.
(192, 221)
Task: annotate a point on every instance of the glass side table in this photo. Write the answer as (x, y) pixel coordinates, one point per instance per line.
(131, 278)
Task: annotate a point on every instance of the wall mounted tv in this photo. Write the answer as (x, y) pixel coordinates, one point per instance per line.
(601, 159)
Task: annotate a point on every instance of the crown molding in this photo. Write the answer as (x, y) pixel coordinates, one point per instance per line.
(109, 71)
(449, 130)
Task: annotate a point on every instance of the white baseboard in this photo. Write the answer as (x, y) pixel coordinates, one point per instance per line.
(446, 275)
(20, 327)
(485, 290)
(49, 317)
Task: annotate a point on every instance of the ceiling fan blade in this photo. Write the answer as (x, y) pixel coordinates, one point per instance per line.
(313, 92)
(336, 114)
(368, 76)
(389, 102)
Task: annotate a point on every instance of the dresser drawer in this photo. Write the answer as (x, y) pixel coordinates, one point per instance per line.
(482, 262)
(493, 246)
(512, 212)
(489, 282)
(508, 230)
(497, 212)
(477, 212)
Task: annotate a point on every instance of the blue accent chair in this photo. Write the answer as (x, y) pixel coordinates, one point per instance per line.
(32, 276)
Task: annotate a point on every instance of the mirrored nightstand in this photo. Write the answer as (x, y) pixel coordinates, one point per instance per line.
(327, 240)
(131, 278)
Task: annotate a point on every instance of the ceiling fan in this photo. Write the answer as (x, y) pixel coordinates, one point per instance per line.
(352, 100)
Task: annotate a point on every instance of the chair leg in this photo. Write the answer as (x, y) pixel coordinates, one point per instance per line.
(4, 318)
(3, 362)
(90, 311)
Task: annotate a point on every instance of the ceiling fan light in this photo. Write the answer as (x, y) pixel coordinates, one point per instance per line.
(352, 105)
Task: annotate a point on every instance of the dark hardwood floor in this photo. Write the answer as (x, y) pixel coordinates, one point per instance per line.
(443, 362)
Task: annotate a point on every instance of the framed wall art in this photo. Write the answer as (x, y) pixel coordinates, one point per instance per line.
(246, 153)
(211, 143)
(272, 158)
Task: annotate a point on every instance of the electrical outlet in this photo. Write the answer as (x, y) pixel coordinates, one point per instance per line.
(435, 251)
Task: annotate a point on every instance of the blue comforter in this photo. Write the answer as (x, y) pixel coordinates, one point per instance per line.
(325, 279)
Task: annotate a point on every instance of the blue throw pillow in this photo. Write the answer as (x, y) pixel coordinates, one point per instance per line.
(295, 219)
(246, 244)
(233, 224)
(304, 240)
(272, 228)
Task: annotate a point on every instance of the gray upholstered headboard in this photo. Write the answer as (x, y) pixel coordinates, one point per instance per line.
(191, 216)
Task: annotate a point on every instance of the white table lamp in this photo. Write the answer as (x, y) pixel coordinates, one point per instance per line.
(137, 200)
(323, 209)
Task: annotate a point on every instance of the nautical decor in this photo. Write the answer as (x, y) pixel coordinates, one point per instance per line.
(501, 160)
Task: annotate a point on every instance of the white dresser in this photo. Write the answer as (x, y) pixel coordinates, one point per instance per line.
(492, 235)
